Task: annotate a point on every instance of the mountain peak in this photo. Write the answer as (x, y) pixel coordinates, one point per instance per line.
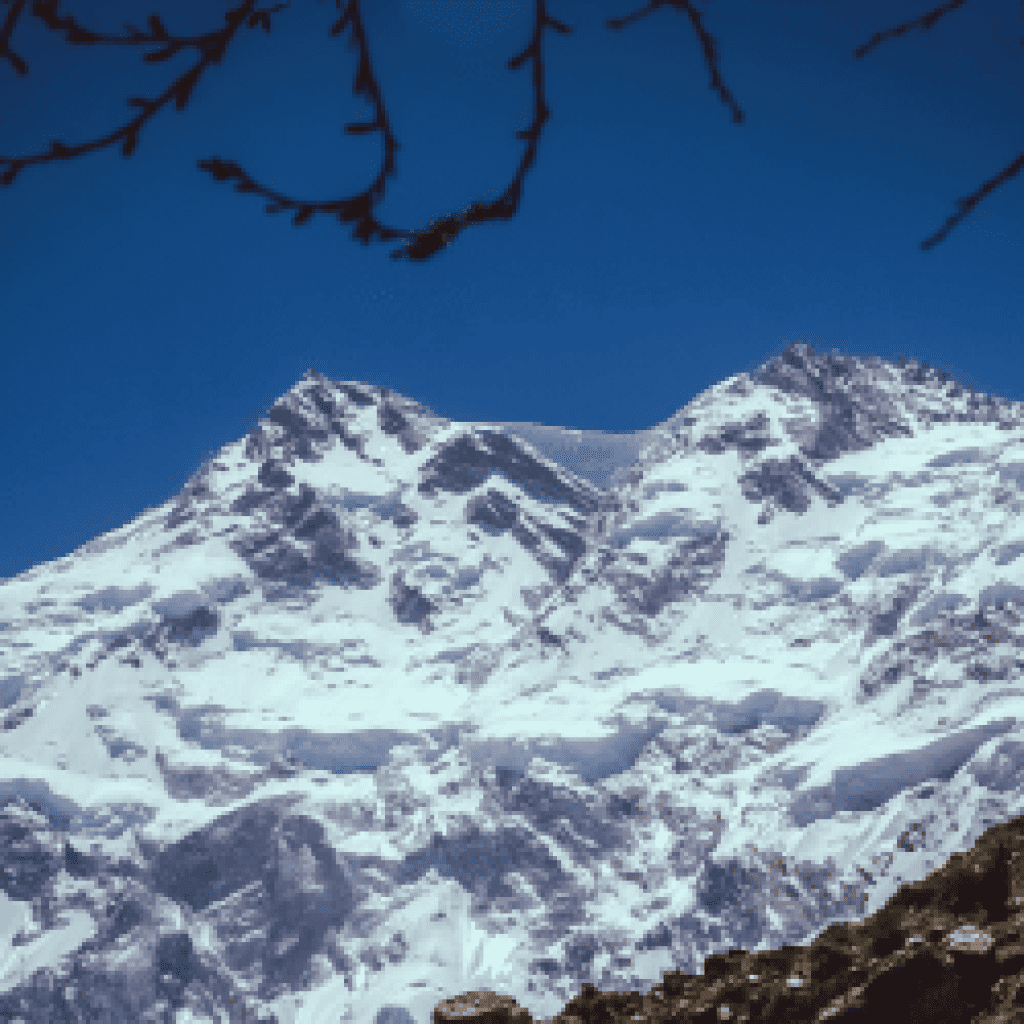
(383, 708)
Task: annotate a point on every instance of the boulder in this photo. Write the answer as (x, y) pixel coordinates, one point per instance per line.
(944, 950)
(482, 1008)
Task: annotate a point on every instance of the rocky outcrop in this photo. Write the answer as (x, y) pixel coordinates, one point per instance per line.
(945, 950)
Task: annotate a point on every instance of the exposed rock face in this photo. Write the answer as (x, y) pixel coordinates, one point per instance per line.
(944, 950)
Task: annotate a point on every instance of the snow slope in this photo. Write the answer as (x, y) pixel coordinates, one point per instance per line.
(383, 708)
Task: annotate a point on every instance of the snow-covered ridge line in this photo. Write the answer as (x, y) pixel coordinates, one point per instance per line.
(381, 708)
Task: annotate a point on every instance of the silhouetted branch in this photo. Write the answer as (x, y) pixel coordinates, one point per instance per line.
(355, 208)
(211, 46)
(424, 243)
(968, 204)
(5, 37)
(707, 43)
(925, 22)
(420, 244)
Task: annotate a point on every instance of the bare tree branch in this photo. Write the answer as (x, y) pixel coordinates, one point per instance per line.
(707, 43)
(211, 46)
(968, 204)
(424, 243)
(420, 244)
(925, 22)
(5, 37)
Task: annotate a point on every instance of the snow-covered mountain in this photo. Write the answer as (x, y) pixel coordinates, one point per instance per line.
(383, 708)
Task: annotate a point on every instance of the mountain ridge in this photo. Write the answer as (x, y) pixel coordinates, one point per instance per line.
(542, 731)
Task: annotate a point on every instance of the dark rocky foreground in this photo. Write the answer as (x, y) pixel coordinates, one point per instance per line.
(945, 950)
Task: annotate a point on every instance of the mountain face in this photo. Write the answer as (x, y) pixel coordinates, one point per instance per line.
(944, 950)
(381, 709)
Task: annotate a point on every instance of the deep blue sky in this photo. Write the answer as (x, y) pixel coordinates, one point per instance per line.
(151, 314)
